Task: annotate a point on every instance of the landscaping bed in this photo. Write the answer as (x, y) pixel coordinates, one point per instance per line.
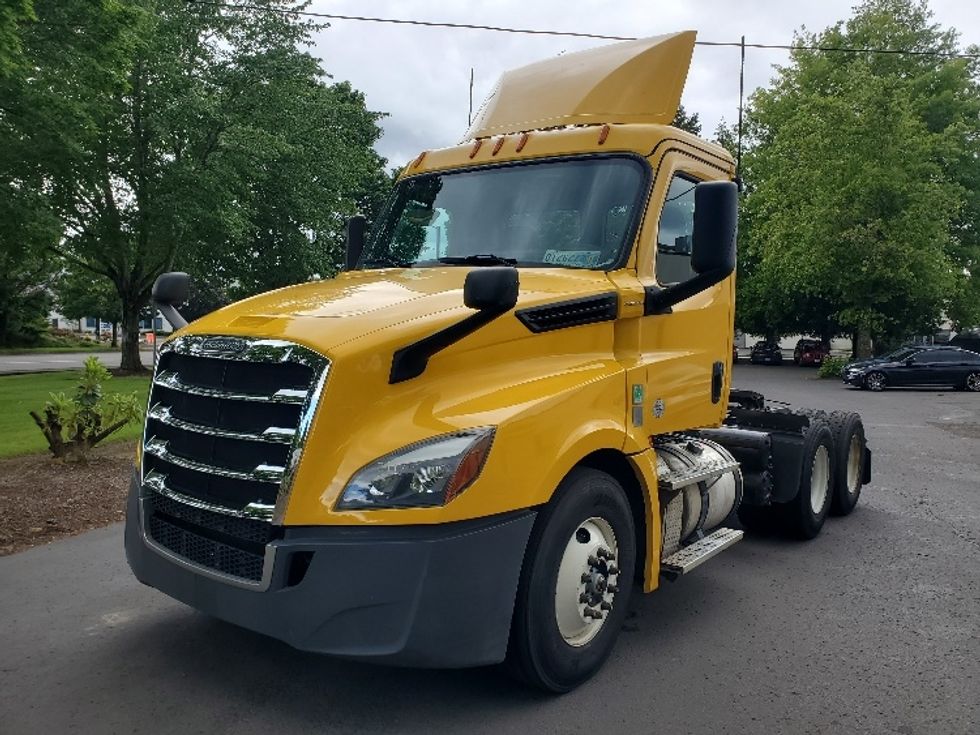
(43, 499)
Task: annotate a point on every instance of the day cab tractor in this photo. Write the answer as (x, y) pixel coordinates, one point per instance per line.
(512, 408)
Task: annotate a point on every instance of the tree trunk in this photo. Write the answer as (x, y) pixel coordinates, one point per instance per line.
(115, 334)
(130, 357)
(862, 344)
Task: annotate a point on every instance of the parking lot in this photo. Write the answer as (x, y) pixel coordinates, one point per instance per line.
(873, 627)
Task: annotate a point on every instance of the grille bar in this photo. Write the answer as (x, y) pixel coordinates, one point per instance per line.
(157, 481)
(273, 434)
(262, 473)
(171, 379)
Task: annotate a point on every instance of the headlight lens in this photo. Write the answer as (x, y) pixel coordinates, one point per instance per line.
(426, 474)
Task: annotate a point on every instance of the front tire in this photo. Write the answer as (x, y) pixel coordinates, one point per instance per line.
(575, 585)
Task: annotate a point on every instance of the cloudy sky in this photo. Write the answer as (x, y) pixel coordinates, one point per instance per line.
(420, 76)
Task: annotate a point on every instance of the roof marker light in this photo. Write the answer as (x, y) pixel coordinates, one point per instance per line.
(499, 144)
(418, 160)
(603, 134)
(476, 147)
(521, 142)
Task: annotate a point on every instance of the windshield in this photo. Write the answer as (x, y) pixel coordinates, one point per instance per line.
(570, 213)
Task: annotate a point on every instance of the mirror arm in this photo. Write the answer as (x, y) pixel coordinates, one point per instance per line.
(171, 314)
(660, 300)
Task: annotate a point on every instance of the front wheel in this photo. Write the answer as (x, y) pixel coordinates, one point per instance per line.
(875, 381)
(575, 585)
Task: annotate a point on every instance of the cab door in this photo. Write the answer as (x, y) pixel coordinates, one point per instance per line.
(685, 353)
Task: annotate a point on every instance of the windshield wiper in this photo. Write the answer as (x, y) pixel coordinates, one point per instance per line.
(478, 259)
(387, 262)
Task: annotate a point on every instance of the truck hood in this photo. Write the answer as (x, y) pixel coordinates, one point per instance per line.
(327, 314)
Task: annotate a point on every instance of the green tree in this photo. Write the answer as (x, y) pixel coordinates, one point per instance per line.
(689, 122)
(166, 132)
(12, 14)
(857, 217)
(80, 293)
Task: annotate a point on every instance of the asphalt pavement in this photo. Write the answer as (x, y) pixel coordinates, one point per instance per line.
(873, 627)
(39, 362)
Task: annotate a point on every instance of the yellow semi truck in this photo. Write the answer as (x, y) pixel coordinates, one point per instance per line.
(512, 407)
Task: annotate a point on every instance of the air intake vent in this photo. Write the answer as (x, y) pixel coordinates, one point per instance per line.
(571, 313)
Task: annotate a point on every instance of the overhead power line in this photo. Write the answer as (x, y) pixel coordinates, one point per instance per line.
(571, 34)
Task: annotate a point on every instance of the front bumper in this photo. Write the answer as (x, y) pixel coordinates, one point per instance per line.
(430, 596)
(854, 379)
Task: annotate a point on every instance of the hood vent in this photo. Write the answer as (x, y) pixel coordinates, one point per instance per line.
(572, 313)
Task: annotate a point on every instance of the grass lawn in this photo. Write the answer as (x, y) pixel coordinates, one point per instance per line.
(94, 347)
(22, 393)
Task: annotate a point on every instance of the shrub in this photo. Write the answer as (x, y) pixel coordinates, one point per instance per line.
(72, 426)
(833, 367)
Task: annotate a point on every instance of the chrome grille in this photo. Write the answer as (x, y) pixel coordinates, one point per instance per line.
(226, 422)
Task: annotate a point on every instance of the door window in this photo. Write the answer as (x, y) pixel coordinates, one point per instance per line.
(675, 231)
(946, 356)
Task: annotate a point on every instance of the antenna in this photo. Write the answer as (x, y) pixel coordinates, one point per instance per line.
(741, 98)
(469, 115)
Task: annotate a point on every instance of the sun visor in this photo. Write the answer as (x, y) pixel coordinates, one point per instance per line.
(630, 82)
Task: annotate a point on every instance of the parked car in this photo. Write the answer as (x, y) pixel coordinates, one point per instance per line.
(734, 354)
(917, 365)
(810, 352)
(766, 353)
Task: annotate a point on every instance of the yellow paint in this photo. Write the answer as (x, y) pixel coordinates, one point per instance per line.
(554, 397)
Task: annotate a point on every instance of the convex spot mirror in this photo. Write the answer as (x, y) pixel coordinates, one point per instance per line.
(171, 288)
(712, 246)
(492, 289)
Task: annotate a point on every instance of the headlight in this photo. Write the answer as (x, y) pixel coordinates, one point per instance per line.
(429, 473)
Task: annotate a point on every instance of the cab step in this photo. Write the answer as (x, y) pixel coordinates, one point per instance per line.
(700, 473)
(693, 556)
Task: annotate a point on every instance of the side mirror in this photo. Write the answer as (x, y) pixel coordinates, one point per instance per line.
(712, 247)
(491, 289)
(356, 227)
(169, 291)
(715, 227)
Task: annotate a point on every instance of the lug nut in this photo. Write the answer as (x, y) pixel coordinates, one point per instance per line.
(593, 561)
(605, 605)
(583, 598)
(613, 569)
(612, 588)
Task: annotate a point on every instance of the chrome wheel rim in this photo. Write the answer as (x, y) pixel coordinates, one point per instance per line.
(854, 465)
(973, 381)
(587, 581)
(876, 381)
(819, 480)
